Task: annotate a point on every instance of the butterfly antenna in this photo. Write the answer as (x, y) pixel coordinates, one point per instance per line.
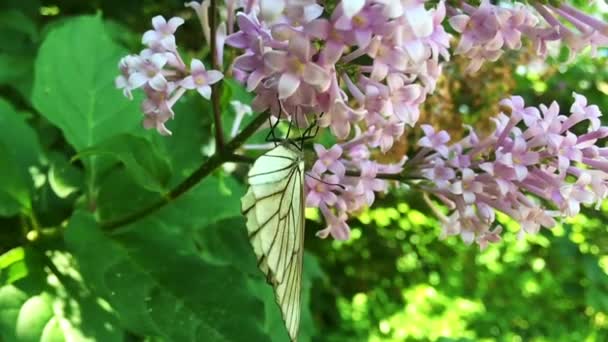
(327, 183)
(274, 138)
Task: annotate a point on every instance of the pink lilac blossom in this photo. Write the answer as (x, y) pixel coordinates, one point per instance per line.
(519, 170)
(488, 30)
(362, 69)
(160, 71)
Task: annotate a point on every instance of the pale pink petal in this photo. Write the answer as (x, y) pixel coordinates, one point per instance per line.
(420, 20)
(213, 76)
(205, 91)
(332, 53)
(174, 23)
(316, 76)
(363, 37)
(254, 79)
(158, 22)
(168, 42)
(319, 167)
(188, 83)
(158, 83)
(288, 84)
(158, 60)
(160, 127)
(137, 79)
(318, 28)
(313, 199)
(312, 11)
(337, 168)
(149, 37)
(330, 198)
(324, 233)
(459, 22)
(275, 60)
(196, 66)
(299, 45)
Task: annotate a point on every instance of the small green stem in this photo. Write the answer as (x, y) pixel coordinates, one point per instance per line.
(386, 176)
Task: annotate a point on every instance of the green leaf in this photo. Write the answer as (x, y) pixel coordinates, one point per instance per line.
(226, 243)
(211, 200)
(64, 178)
(15, 22)
(148, 167)
(47, 303)
(18, 43)
(120, 195)
(12, 266)
(20, 72)
(30, 7)
(18, 137)
(153, 277)
(74, 85)
(192, 129)
(14, 192)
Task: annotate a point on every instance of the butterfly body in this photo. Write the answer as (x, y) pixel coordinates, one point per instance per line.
(274, 208)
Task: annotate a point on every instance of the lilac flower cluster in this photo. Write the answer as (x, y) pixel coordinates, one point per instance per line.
(369, 64)
(489, 29)
(163, 75)
(362, 68)
(534, 168)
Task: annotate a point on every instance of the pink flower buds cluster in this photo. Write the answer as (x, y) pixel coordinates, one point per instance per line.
(163, 75)
(534, 167)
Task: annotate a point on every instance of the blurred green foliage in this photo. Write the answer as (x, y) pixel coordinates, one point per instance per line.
(72, 153)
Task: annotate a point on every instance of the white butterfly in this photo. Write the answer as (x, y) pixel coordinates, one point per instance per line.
(274, 207)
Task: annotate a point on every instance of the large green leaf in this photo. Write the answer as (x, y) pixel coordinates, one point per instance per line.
(226, 243)
(154, 278)
(18, 137)
(41, 299)
(191, 129)
(74, 85)
(19, 151)
(19, 74)
(148, 167)
(213, 199)
(14, 192)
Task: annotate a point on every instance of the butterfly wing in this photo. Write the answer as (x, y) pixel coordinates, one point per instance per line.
(274, 207)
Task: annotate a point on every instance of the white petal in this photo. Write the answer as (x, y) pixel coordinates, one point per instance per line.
(137, 80)
(175, 22)
(158, 22)
(213, 76)
(196, 66)
(158, 60)
(421, 21)
(149, 37)
(188, 83)
(352, 7)
(205, 91)
(158, 83)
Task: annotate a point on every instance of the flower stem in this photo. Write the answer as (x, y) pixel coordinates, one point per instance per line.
(204, 170)
(216, 93)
